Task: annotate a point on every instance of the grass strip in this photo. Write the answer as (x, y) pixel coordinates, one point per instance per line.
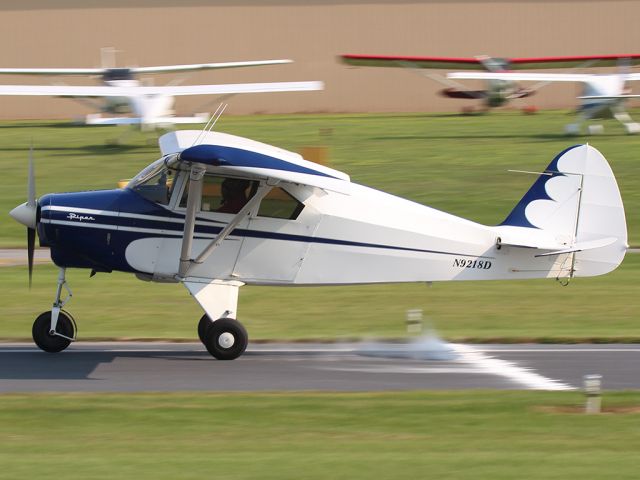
(462, 435)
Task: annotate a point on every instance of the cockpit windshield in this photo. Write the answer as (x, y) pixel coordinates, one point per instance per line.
(156, 181)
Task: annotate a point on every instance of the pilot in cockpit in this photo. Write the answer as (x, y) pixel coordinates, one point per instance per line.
(234, 195)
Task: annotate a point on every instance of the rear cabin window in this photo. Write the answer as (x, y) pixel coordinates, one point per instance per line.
(221, 194)
(229, 195)
(279, 204)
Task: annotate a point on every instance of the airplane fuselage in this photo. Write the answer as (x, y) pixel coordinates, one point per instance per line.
(365, 237)
(602, 85)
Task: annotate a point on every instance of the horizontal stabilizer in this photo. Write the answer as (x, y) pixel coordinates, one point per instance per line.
(606, 97)
(522, 77)
(579, 247)
(167, 120)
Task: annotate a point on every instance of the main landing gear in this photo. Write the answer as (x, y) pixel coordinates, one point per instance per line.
(224, 339)
(54, 331)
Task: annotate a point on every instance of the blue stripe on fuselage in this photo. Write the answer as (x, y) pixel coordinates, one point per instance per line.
(100, 241)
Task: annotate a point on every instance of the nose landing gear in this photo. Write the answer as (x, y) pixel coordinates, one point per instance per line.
(54, 331)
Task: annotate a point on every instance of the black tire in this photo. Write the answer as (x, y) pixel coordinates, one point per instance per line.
(52, 343)
(204, 323)
(226, 339)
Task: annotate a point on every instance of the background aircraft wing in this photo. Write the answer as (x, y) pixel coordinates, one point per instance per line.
(52, 71)
(112, 91)
(522, 77)
(206, 66)
(449, 63)
(573, 62)
(135, 70)
(480, 62)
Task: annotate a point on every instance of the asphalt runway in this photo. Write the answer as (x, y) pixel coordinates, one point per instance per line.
(164, 367)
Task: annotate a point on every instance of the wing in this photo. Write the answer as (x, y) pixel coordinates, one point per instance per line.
(230, 154)
(478, 63)
(134, 70)
(449, 63)
(207, 66)
(112, 91)
(573, 62)
(522, 77)
(52, 71)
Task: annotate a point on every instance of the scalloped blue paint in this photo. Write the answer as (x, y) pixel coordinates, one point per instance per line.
(538, 191)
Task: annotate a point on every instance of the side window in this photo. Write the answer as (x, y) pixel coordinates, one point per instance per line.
(157, 188)
(279, 204)
(220, 194)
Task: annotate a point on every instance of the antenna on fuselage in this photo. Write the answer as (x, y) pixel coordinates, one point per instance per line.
(211, 123)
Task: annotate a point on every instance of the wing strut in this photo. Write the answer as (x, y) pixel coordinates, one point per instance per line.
(195, 192)
(193, 199)
(224, 233)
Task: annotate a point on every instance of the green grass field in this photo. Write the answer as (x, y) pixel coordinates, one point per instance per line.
(119, 306)
(454, 163)
(458, 164)
(483, 435)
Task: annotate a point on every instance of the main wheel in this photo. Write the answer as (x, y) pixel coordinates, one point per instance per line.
(204, 323)
(226, 339)
(52, 343)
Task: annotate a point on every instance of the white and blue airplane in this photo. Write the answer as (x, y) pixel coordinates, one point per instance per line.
(604, 95)
(218, 211)
(150, 106)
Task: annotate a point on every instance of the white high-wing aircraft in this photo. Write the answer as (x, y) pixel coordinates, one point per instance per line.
(218, 211)
(501, 75)
(603, 94)
(150, 105)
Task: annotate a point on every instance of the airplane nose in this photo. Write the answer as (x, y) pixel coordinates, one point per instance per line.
(25, 214)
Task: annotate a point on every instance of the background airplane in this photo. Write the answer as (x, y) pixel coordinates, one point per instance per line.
(603, 96)
(498, 90)
(218, 211)
(151, 106)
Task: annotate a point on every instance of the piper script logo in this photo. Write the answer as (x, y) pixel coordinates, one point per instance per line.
(80, 218)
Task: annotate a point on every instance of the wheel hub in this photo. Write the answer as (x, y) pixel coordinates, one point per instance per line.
(226, 340)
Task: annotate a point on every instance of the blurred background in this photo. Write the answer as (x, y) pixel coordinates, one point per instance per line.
(69, 33)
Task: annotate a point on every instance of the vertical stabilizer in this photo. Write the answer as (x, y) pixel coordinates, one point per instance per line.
(577, 203)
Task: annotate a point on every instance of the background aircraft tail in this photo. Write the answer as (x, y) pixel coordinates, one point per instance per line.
(574, 210)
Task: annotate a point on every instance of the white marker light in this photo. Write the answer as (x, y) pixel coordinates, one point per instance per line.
(593, 391)
(414, 321)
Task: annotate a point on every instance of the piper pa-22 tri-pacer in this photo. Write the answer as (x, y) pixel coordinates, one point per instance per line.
(150, 105)
(218, 211)
(502, 74)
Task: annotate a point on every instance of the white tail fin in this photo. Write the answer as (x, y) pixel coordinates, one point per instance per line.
(573, 208)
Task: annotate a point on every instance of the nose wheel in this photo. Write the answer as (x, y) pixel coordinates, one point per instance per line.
(224, 339)
(53, 341)
(54, 331)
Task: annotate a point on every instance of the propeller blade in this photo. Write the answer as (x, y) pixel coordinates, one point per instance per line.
(31, 245)
(31, 185)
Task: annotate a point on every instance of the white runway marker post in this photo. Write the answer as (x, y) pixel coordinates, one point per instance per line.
(593, 392)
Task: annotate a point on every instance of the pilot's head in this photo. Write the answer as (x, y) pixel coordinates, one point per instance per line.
(234, 187)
